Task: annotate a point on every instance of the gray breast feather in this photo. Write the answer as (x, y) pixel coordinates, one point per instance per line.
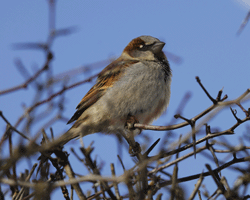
(140, 90)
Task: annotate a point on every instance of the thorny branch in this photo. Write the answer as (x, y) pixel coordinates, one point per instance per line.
(31, 149)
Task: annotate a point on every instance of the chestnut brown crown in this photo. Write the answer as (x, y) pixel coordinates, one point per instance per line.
(145, 48)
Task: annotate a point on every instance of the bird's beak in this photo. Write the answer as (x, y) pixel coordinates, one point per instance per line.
(158, 46)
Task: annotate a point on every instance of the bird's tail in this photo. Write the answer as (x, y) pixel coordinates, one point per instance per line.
(72, 133)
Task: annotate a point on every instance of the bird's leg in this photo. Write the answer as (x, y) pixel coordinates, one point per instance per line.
(135, 150)
(131, 120)
(134, 147)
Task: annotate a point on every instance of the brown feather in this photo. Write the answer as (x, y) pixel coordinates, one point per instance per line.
(134, 45)
(106, 79)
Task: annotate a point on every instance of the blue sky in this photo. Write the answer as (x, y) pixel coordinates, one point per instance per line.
(202, 33)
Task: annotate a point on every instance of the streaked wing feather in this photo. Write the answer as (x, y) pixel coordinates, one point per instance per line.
(106, 79)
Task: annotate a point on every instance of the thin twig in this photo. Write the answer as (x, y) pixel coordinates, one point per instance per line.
(115, 184)
(197, 187)
(26, 83)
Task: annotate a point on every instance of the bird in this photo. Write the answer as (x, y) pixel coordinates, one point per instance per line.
(137, 85)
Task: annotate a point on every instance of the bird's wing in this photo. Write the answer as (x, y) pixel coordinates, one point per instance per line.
(106, 79)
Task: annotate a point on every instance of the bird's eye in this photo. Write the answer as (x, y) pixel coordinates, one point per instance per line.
(145, 47)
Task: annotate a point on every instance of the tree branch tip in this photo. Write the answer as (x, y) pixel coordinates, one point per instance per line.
(176, 116)
(152, 147)
(157, 140)
(208, 166)
(197, 78)
(224, 98)
(218, 98)
(220, 92)
(233, 110)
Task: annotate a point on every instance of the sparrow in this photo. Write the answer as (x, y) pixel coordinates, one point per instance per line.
(136, 84)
